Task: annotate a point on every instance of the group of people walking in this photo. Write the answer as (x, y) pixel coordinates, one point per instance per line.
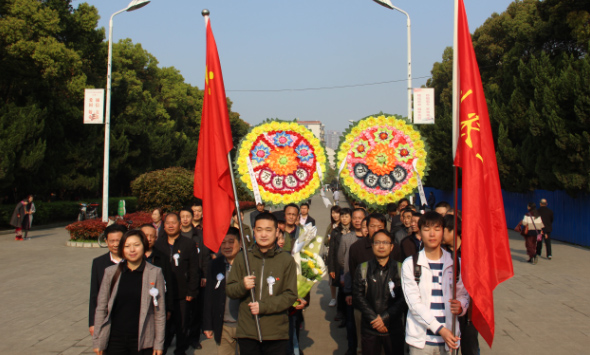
(391, 280)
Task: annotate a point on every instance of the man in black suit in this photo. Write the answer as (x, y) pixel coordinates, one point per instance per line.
(182, 255)
(113, 233)
(304, 217)
(221, 321)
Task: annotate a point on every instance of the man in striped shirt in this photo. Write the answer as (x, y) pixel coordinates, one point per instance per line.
(427, 281)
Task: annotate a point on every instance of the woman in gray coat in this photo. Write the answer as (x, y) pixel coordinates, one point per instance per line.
(131, 312)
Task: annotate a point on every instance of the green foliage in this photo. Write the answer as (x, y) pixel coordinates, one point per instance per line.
(169, 189)
(49, 52)
(535, 69)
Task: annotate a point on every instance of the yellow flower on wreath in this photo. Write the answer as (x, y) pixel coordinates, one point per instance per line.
(398, 195)
(381, 200)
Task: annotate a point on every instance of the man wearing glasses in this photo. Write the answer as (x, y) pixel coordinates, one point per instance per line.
(377, 294)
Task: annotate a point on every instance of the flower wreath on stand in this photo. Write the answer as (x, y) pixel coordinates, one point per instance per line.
(378, 159)
(285, 158)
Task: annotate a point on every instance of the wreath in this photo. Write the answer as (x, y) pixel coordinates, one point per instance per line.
(285, 157)
(378, 158)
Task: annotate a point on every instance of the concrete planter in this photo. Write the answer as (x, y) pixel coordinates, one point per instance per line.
(75, 244)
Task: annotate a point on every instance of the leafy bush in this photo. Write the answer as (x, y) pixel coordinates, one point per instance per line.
(169, 189)
(91, 229)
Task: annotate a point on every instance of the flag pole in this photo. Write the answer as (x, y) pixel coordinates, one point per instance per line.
(244, 249)
(455, 138)
(205, 14)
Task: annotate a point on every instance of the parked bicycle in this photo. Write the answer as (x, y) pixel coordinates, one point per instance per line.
(87, 211)
(102, 240)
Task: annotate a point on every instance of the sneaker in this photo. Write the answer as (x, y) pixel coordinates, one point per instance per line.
(333, 301)
(549, 257)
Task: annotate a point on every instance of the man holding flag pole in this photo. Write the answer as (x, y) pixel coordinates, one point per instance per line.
(486, 259)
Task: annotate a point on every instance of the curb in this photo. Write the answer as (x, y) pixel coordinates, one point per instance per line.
(39, 227)
(75, 244)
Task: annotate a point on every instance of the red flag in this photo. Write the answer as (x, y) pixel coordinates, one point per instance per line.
(212, 175)
(485, 250)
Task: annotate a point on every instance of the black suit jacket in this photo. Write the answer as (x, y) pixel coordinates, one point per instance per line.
(214, 299)
(160, 260)
(310, 220)
(99, 264)
(185, 276)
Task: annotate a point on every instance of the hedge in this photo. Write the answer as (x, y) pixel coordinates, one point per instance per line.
(63, 211)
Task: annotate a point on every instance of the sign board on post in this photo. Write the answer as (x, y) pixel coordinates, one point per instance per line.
(93, 106)
(424, 106)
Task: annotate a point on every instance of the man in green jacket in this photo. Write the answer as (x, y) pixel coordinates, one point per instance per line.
(274, 279)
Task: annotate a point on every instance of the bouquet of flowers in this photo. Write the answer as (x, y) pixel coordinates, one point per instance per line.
(310, 266)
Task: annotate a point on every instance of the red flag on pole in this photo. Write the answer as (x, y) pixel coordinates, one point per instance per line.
(212, 175)
(485, 251)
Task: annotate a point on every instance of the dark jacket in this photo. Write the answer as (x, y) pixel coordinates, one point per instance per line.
(310, 220)
(202, 250)
(335, 238)
(18, 216)
(99, 264)
(360, 251)
(215, 298)
(160, 260)
(274, 320)
(373, 298)
(547, 216)
(290, 239)
(406, 248)
(185, 276)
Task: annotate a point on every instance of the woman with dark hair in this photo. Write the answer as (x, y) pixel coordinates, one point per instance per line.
(157, 216)
(18, 218)
(334, 222)
(131, 311)
(533, 221)
(28, 220)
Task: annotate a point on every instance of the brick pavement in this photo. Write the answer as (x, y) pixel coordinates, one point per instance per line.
(544, 309)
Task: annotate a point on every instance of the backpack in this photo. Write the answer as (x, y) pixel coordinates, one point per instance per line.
(418, 268)
(365, 266)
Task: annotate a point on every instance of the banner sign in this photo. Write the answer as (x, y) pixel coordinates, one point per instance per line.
(424, 106)
(93, 106)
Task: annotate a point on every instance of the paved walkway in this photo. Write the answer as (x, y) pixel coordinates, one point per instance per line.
(544, 309)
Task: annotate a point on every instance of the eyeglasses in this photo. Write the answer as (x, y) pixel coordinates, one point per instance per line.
(377, 243)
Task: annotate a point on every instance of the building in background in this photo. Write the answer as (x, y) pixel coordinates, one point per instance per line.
(316, 127)
(333, 139)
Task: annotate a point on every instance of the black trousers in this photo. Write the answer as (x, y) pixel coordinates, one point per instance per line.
(178, 325)
(547, 244)
(121, 344)
(469, 337)
(373, 344)
(196, 317)
(267, 347)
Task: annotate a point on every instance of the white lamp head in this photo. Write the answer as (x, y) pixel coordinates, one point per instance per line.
(136, 4)
(385, 3)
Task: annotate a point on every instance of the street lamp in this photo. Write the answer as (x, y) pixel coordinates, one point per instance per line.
(389, 5)
(133, 5)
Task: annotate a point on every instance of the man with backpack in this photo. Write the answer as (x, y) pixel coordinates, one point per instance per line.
(427, 281)
(377, 294)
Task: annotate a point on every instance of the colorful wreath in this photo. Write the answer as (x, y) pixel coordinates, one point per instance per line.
(285, 157)
(378, 155)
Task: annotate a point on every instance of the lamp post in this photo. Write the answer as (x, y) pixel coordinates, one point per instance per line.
(133, 5)
(389, 5)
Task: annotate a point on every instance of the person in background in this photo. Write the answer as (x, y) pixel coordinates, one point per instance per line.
(380, 302)
(410, 245)
(281, 239)
(183, 257)
(131, 308)
(407, 223)
(276, 289)
(547, 217)
(291, 226)
(259, 209)
(197, 208)
(113, 233)
(220, 317)
(469, 335)
(247, 230)
(333, 267)
(157, 215)
(535, 224)
(304, 217)
(156, 258)
(442, 208)
(334, 221)
(391, 213)
(431, 200)
(336, 197)
(18, 217)
(28, 220)
(396, 222)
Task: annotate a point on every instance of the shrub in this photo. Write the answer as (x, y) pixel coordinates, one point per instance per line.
(91, 229)
(169, 189)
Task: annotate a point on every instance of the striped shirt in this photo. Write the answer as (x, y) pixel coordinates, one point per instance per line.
(437, 305)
